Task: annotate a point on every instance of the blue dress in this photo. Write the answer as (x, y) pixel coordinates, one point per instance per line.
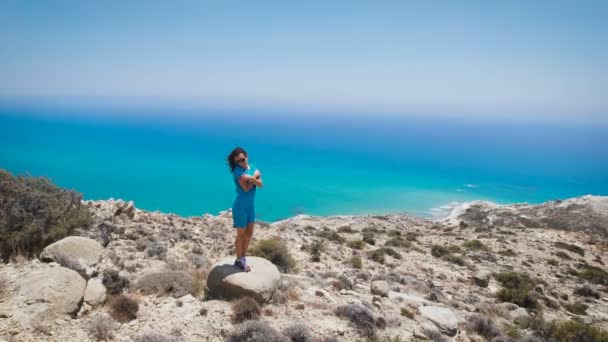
(243, 208)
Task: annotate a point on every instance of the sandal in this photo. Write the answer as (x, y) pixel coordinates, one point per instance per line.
(240, 265)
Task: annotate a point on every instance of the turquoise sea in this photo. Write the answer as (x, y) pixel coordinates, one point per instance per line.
(313, 163)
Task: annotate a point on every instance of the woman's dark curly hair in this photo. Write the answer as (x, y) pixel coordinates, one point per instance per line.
(233, 154)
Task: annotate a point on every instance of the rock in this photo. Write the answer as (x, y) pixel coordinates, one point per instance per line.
(380, 288)
(519, 314)
(127, 208)
(95, 292)
(482, 277)
(83, 250)
(436, 284)
(45, 291)
(507, 306)
(444, 318)
(408, 299)
(493, 286)
(227, 281)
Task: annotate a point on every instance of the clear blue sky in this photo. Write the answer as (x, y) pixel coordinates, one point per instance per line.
(516, 58)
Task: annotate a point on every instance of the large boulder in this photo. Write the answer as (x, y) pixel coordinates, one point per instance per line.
(227, 281)
(444, 318)
(85, 251)
(49, 290)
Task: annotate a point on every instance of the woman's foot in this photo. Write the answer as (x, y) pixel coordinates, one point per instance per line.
(240, 265)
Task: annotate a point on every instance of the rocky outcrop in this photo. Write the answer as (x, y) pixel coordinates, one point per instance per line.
(227, 281)
(585, 213)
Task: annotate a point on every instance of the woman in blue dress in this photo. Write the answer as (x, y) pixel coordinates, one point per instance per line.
(246, 179)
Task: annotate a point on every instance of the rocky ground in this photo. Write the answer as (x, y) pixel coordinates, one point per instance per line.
(350, 278)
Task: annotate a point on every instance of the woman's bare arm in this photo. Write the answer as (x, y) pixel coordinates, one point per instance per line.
(245, 184)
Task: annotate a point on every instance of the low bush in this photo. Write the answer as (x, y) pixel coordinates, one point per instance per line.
(594, 275)
(275, 250)
(484, 326)
(245, 309)
(586, 291)
(176, 283)
(572, 248)
(156, 338)
(577, 308)
(102, 327)
(562, 255)
(331, 235)
(298, 333)
(255, 331)
(475, 245)
(356, 244)
(123, 308)
(360, 317)
(113, 282)
(368, 237)
(355, 262)
(398, 241)
(517, 288)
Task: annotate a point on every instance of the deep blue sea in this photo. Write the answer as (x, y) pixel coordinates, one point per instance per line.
(320, 163)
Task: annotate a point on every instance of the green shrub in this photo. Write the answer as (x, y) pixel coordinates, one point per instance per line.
(356, 244)
(454, 259)
(438, 250)
(368, 237)
(565, 331)
(35, 213)
(113, 282)
(123, 308)
(594, 275)
(331, 235)
(274, 250)
(376, 255)
(475, 245)
(562, 255)
(391, 252)
(345, 229)
(355, 262)
(517, 289)
(315, 249)
(586, 291)
(507, 252)
(577, 308)
(570, 247)
(398, 241)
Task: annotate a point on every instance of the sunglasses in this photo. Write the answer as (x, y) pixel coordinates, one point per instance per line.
(240, 160)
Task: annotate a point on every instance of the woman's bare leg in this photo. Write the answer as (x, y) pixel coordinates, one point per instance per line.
(248, 236)
(239, 242)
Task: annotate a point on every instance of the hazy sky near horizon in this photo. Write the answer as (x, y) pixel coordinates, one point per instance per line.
(515, 58)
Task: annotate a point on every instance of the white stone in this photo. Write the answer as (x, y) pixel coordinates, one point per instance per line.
(228, 281)
(444, 318)
(83, 250)
(379, 287)
(95, 292)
